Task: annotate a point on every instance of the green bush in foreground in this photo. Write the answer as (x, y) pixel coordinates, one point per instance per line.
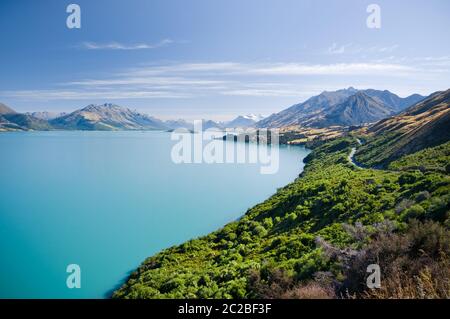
(306, 235)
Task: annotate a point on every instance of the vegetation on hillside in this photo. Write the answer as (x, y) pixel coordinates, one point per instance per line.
(315, 237)
(430, 159)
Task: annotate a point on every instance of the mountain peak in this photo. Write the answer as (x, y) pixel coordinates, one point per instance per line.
(360, 94)
(368, 105)
(110, 105)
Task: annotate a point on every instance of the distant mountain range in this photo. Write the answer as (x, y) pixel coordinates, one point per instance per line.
(346, 107)
(105, 117)
(46, 115)
(342, 108)
(245, 120)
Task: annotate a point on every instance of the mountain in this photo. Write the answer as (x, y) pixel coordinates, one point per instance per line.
(422, 125)
(357, 109)
(12, 120)
(322, 110)
(240, 121)
(314, 105)
(98, 117)
(47, 116)
(6, 125)
(27, 122)
(210, 124)
(177, 124)
(107, 117)
(244, 121)
(393, 100)
(4, 109)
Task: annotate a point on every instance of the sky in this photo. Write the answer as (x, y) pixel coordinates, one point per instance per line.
(216, 59)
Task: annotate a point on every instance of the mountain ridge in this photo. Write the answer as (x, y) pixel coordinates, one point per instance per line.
(316, 111)
(424, 124)
(344, 107)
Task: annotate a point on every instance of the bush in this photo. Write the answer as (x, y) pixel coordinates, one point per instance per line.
(408, 178)
(279, 285)
(259, 231)
(415, 211)
(413, 265)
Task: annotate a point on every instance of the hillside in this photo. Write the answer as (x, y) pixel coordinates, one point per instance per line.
(341, 107)
(6, 125)
(106, 117)
(424, 124)
(315, 237)
(27, 122)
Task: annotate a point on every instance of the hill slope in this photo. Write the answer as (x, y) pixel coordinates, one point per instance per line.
(424, 124)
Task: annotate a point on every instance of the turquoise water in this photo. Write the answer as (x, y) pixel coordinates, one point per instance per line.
(108, 200)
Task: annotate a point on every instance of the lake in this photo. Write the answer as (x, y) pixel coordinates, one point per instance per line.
(108, 200)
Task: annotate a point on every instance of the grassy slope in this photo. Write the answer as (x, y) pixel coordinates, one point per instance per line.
(282, 232)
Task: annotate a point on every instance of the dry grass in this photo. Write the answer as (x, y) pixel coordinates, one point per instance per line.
(278, 285)
(311, 290)
(415, 265)
(427, 284)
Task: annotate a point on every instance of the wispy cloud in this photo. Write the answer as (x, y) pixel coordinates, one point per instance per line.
(192, 80)
(281, 69)
(122, 46)
(336, 49)
(112, 94)
(333, 69)
(351, 48)
(228, 78)
(276, 92)
(145, 81)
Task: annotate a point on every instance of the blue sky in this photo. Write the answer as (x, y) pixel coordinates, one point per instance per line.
(216, 59)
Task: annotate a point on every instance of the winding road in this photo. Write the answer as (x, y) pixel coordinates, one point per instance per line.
(351, 156)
